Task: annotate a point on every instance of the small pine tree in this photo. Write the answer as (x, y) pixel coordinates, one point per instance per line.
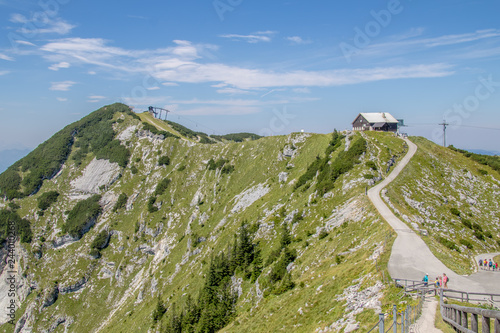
(159, 311)
(286, 239)
(257, 263)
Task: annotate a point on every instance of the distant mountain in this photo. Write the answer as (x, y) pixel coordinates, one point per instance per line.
(9, 156)
(484, 152)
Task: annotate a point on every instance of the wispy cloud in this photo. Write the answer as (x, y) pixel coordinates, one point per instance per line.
(413, 41)
(95, 98)
(24, 42)
(62, 99)
(233, 91)
(296, 40)
(216, 110)
(62, 85)
(4, 72)
(257, 37)
(302, 90)
(6, 57)
(56, 67)
(47, 25)
(138, 17)
(184, 63)
(244, 78)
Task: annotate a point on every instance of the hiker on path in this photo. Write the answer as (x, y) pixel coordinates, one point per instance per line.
(436, 282)
(481, 263)
(445, 281)
(490, 265)
(426, 279)
(485, 262)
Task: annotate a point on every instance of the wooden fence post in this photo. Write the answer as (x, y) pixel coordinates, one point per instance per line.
(474, 323)
(486, 325)
(465, 321)
(497, 325)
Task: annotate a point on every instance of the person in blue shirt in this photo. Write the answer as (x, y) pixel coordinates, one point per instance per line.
(426, 279)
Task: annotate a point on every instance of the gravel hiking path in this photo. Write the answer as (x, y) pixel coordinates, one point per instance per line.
(411, 258)
(425, 324)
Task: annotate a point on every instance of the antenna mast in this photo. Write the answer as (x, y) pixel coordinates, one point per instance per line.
(444, 124)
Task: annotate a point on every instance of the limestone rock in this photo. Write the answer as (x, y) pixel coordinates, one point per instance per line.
(97, 174)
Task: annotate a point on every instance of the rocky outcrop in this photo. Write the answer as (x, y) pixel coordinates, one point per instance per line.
(127, 134)
(98, 174)
(67, 321)
(63, 240)
(74, 287)
(153, 138)
(248, 197)
(51, 296)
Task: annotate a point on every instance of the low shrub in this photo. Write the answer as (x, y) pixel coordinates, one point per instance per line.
(151, 207)
(467, 243)
(371, 165)
(164, 160)
(47, 199)
(448, 243)
(161, 187)
(323, 234)
(81, 215)
(121, 202)
(455, 211)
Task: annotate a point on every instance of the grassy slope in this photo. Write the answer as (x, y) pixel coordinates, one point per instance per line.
(319, 279)
(438, 179)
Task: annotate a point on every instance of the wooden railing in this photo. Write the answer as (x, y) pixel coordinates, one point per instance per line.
(460, 316)
(464, 296)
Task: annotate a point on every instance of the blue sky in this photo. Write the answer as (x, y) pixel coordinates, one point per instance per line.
(265, 67)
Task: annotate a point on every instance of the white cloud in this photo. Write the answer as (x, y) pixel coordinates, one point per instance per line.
(260, 36)
(62, 85)
(301, 90)
(62, 99)
(91, 72)
(24, 42)
(95, 98)
(6, 57)
(170, 84)
(297, 40)
(153, 88)
(44, 25)
(184, 63)
(412, 41)
(233, 91)
(216, 110)
(254, 78)
(56, 67)
(4, 72)
(18, 18)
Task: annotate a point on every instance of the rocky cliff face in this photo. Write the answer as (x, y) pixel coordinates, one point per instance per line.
(166, 222)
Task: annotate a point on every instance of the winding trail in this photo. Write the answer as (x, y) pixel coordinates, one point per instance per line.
(410, 256)
(425, 324)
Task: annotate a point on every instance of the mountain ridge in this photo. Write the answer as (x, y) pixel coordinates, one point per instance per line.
(177, 205)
